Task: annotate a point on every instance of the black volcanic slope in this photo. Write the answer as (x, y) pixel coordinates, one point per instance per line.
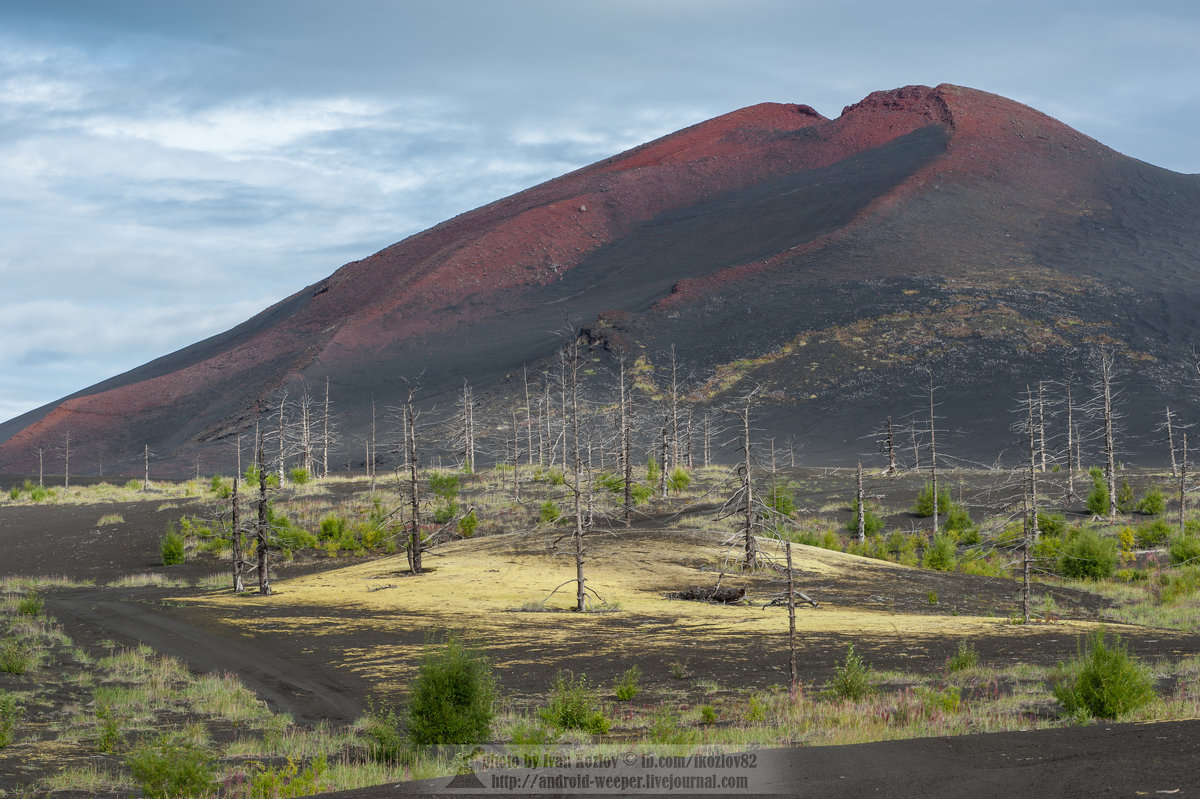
(835, 263)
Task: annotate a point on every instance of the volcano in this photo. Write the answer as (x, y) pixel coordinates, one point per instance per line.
(840, 265)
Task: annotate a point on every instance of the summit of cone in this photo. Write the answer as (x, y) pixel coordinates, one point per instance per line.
(832, 261)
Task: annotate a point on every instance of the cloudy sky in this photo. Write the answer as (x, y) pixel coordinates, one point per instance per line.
(169, 169)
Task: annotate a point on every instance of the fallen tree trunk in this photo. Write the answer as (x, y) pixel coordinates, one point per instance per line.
(701, 594)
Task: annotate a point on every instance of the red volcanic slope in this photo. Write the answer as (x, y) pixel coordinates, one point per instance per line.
(474, 296)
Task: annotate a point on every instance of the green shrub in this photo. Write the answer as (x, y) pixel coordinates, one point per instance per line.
(679, 480)
(332, 528)
(611, 482)
(1052, 524)
(957, 520)
(10, 715)
(17, 656)
(652, 470)
(965, 658)
(556, 477)
(940, 554)
(31, 604)
(39, 493)
(1103, 682)
(445, 513)
(627, 686)
(220, 487)
(1153, 534)
(173, 765)
(924, 504)
(468, 524)
(172, 547)
(1125, 501)
(781, 497)
(574, 705)
(641, 493)
(1088, 557)
(1097, 499)
(444, 485)
(381, 731)
(1184, 549)
(1048, 549)
(708, 714)
(453, 698)
(288, 780)
(872, 523)
(299, 476)
(1153, 503)
(1178, 584)
(549, 512)
(851, 678)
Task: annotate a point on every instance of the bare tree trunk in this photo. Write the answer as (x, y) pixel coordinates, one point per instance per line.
(528, 420)
(1025, 552)
(414, 537)
(891, 448)
(707, 439)
(146, 461)
(42, 466)
(750, 561)
(933, 456)
(688, 441)
(1183, 484)
(563, 375)
(1106, 366)
(1041, 425)
(674, 414)
(67, 460)
(325, 434)
(516, 460)
(576, 487)
(793, 670)
(860, 507)
(626, 445)
(279, 463)
(1171, 445)
(264, 575)
(1070, 447)
(235, 538)
(371, 453)
(662, 472)
(1033, 496)
(468, 402)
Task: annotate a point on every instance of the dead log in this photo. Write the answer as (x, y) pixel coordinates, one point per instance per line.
(720, 595)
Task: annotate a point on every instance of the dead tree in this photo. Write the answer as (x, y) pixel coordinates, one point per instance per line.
(624, 396)
(891, 448)
(933, 455)
(1041, 425)
(860, 509)
(576, 486)
(414, 535)
(262, 529)
(235, 539)
(66, 453)
(745, 495)
(146, 462)
(1183, 484)
(325, 434)
(793, 669)
(528, 419)
(1106, 358)
(1072, 444)
(41, 466)
(467, 408)
(281, 432)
